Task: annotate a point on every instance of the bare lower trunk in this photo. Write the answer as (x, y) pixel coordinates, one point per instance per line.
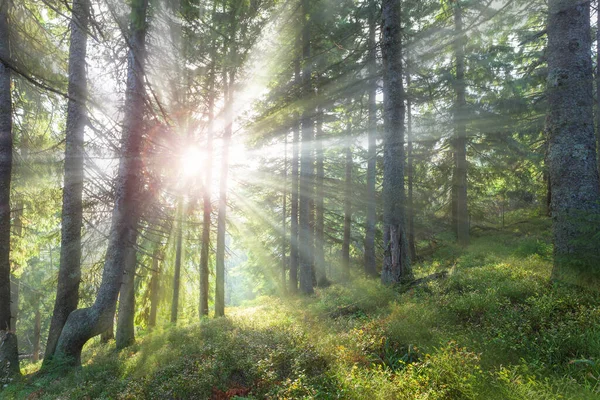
(37, 327)
(108, 334)
(177, 272)
(460, 135)
(69, 274)
(306, 164)
(222, 218)
(347, 214)
(396, 263)
(410, 172)
(320, 204)
(294, 227)
(571, 157)
(125, 336)
(370, 260)
(284, 218)
(83, 324)
(9, 357)
(154, 290)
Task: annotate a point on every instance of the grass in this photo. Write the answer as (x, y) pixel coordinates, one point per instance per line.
(495, 328)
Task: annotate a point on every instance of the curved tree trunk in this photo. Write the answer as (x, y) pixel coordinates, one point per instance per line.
(125, 336)
(83, 324)
(396, 262)
(9, 357)
(370, 260)
(575, 193)
(69, 274)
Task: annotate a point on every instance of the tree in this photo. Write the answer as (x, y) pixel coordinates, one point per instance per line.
(9, 358)
(178, 255)
(370, 260)
(347, 208)
(125, 336)
(460, 215)
(396, 263)
(575, 192)
(306, 161)
(83, 324)
(69, 275)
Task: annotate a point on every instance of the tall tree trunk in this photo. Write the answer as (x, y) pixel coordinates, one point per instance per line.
(410, 173)
(177, 272)
(370, 260)
(459, 175)
(69, 273)
(207, 201)
(154, 286)
(598, 84)
(320, 203)
(37, 327)
(222, 218)
(9, 357)
(125, 336)
(306, 162)
(347, 211)
(571, 157)
(294, 226)
(396, 262)
(15, 290)
(284, 217)
(83, 324)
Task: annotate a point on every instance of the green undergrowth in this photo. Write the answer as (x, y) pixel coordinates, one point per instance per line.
(493, 328)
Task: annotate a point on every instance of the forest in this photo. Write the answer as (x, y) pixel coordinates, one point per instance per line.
(299, 199)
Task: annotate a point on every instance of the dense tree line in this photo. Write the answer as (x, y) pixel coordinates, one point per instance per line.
(377, 129)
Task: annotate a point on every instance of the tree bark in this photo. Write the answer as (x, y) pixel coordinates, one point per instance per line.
(108, 334)
(37, 327)
(154, 286)
(222, 218)
(177, 272)
(284, 217)
(306, 162)
(598, 84)
(83, 324)
(396, 263)
(370, 260)
(294, 226)
(125, 336)
(571, 156)
(410, 173)
(9, 357)
(347, 212)
(69, 274)
(320, 204)
(459, 176)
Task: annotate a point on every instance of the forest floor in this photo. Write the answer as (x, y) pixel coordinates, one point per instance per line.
(493, 328)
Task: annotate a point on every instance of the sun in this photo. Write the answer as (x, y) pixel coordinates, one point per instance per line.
(192, 162)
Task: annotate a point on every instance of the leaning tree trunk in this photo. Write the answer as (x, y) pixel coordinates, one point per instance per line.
(83, 324)
(125, 336)
(69, 274)
(571, 157)
(9, 357)
(459, 175)
(347, 213)
(370, 260)
(306, 163)
(177, 272)
(396, 262)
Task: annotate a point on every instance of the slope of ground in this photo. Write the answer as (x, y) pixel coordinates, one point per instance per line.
(493, 328)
